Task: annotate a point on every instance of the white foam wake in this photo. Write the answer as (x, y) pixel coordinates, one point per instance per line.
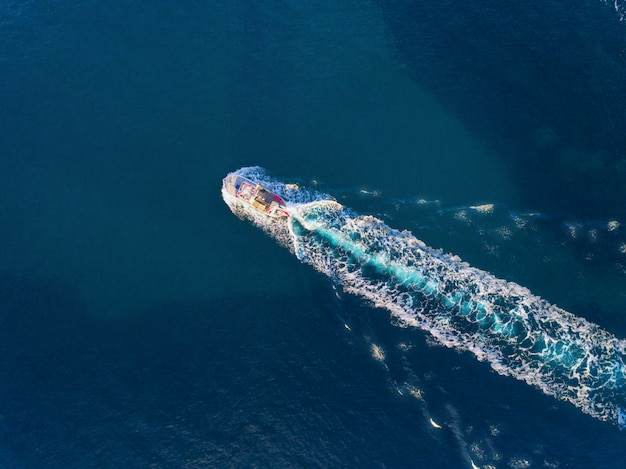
(518, 333)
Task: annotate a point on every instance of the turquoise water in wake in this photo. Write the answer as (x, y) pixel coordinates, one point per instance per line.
(142, 324)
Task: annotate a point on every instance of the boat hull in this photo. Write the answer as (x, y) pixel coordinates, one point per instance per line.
(255, 196)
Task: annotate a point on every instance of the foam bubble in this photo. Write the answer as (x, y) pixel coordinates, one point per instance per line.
(435, 424)
(415, 392)
(462, 215)
(377, 352)
(484, 208)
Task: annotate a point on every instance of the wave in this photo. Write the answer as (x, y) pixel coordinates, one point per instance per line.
(519, 334)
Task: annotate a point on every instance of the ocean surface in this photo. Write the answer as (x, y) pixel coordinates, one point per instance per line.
(143, 324)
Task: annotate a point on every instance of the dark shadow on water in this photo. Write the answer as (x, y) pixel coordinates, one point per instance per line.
(541, 83)
(234, 382)
(250, 381)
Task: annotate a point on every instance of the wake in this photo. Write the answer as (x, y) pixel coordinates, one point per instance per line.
(519, 334)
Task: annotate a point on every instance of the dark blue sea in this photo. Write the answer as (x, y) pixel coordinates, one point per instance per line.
(142, 324)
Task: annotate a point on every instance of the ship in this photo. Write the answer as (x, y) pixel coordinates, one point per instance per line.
(255, 196)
